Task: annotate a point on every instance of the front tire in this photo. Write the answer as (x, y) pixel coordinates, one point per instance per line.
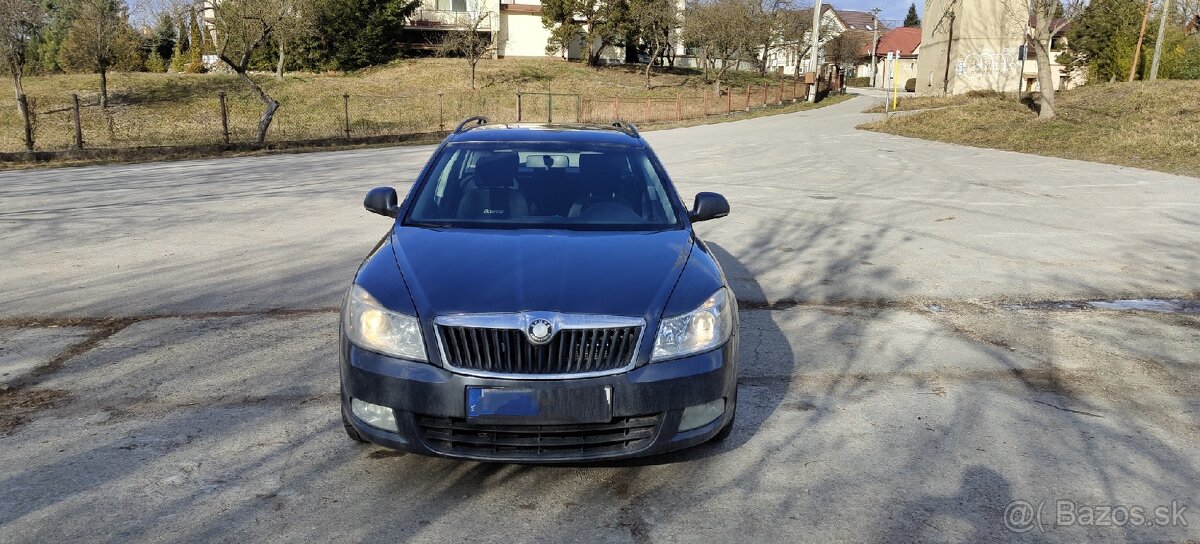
(350, 430)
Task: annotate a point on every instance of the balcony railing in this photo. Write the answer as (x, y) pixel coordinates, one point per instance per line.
(425, 18)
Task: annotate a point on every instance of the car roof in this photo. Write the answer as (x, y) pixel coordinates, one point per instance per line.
(543, 132)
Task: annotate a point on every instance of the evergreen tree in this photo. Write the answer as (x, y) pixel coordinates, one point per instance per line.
(1103, 38)
(195, 58)
(355, 34)
(912, 19)
(155, 63)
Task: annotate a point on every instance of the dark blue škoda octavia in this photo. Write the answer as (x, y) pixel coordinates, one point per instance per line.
(541, 297)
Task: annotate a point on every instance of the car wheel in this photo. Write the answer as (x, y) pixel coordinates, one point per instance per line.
(350, 430)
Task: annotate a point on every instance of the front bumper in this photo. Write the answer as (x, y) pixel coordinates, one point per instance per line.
(421, 392)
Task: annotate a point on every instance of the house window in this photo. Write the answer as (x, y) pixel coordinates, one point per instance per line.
(452, 5)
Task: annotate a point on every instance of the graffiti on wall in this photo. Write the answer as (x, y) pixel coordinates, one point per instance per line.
(987, 62)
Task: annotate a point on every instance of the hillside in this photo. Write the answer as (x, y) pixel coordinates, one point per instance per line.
(179, 109)
(1154, 125)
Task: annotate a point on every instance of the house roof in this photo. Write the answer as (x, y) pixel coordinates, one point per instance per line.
(857, 20)
(905, 39)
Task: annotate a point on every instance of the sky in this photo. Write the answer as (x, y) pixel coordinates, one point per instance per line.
(893, 10)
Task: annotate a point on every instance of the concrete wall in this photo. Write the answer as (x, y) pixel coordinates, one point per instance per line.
(985, 53)
(521, 35)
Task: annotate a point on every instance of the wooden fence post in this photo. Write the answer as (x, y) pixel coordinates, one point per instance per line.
(78, 123)
(766, 95)
(728, 101)
(518, 106)
(224, 118)
(646, 113)
(705, 95)
(616, 108)
(346, 112)
(747, 98)
(578, 108)
(678, 106)
(795, 83)
(549, 107)
(781, 92)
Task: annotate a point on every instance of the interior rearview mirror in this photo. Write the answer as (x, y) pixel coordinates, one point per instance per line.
(381, 200)
(709, 206)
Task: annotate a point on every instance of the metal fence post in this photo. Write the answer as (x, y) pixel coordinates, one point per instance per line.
(346, 113)
(78, 123)
(678, 106)
(549, 107)
(705, 100)
(728, 102)
(441, 114)
(578, 108)
(224, 118)
(518, 106)
(616, 108)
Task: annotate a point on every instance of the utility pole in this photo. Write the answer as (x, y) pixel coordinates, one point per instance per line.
(816, 43)
(1137, 51)
(874, 42)
(1162, 29)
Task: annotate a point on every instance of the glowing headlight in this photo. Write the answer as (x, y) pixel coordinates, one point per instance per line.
(700, 330)
(371, 326)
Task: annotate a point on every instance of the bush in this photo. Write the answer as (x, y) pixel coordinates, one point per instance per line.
(861, 82)
(911, 85)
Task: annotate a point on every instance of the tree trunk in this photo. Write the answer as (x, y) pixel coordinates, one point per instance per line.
(27, 117)
(650, 64)
(279, 68)
(270, 105)
(23, 108)
(473, 62)
(103, 87)
(1045, 78)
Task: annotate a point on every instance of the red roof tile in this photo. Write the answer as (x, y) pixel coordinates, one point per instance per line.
(904, 39)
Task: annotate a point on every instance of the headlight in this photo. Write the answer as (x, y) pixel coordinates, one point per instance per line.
(699, 330)
(371, 326)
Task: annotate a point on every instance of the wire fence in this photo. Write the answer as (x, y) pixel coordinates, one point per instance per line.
(71, 122)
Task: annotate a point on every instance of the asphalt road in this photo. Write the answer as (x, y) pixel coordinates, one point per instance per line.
(167, 348)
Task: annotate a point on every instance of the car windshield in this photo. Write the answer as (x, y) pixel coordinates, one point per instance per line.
(544, 185)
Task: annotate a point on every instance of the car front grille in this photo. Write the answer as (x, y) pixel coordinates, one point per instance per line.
(456, 436)
(509, 351)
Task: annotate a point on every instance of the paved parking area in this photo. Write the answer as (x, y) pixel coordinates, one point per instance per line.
(167, 354)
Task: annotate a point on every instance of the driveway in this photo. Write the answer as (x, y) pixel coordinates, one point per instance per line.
(919, 357)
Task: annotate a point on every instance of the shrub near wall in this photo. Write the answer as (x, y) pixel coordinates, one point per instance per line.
(911, 85)
(861, 82)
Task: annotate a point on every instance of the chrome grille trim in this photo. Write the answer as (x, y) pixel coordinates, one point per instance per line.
(502, 326)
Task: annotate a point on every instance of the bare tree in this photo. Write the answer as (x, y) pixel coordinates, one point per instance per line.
(243, 26)
(472, 42)
(1045, 19)
(725, 32)
(652, 22)
(794, 26)
(100, 39)
(846, 48)
(20, 23)
(297, 24)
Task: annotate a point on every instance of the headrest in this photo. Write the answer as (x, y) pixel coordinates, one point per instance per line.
(600, 168)
(496, 170)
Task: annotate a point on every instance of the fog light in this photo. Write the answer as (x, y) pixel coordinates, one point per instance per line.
(700, 415)
(380, 417)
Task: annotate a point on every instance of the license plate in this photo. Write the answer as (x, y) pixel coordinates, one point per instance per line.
(545, 406)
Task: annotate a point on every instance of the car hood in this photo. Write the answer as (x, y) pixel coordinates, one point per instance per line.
(494, 271)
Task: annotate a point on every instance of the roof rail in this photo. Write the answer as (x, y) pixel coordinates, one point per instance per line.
(627, 128)
(470, 123)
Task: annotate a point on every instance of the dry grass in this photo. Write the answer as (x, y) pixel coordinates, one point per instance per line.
(911, 103)
(1154, 125)
(401, 98)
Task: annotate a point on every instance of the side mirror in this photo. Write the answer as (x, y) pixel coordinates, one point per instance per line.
(708, 206)
(381, 200)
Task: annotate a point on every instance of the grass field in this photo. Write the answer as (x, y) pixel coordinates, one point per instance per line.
(180, 109)
(1154, 125)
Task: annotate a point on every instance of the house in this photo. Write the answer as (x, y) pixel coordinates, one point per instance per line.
(794, 57)
(980, 45)
(904, 42)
